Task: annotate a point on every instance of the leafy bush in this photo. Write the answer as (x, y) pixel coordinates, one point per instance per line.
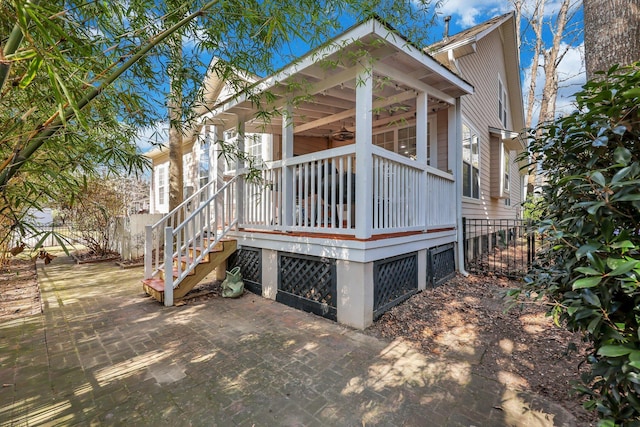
(93, 212)
(591, 272)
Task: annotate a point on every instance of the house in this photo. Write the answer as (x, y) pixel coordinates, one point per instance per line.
(370, 152)
(493, 188)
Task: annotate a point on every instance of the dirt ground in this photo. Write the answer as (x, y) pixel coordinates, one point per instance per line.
(464, 318)
(19, 291)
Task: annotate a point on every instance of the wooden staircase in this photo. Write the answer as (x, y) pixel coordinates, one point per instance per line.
(215, 258)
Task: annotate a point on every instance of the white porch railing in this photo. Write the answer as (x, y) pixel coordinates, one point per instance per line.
(189, 232)
(320, 193)
(407, 195)
(440, 198)
(397, 190)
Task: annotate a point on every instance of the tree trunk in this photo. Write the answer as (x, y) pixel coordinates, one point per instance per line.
(536, 23)
(174, 106)
(611, 33)
(552, 58)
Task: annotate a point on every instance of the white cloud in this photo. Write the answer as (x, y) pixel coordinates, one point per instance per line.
(150, 136)
(467, 13)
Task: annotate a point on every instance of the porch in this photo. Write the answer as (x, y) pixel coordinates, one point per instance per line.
(347, 199)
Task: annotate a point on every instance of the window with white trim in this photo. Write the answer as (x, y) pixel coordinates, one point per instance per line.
(204, 162)
(162, 184)
(402, 141)
(506, 168)
(257, 146)
(470, 163)
(502, 103)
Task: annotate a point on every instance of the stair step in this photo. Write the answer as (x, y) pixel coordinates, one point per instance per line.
(219, 254)
(187, 259)
(175, 272)
(154, 283)
(154, 287)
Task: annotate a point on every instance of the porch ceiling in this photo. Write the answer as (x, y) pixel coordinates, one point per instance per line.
(322, 88)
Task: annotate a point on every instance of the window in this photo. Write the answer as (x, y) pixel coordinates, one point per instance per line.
(470, 163)
(162, 184)
(506, 168)
(204, 163)
(256, 147)
(385, 140)
(403, 141)
(230, 160)
(407, 141)
(253, 145)
(502, 103)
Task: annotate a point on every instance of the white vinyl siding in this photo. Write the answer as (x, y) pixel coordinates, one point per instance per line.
(483, 70)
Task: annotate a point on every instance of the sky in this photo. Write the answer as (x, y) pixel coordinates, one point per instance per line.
(467, 13)
(571, 72)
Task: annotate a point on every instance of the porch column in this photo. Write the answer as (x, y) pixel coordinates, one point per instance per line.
(455, 163)
(217, 135)
(218, 138)
(286, 192)
(422, 129)
(364, 157)
(239, 168)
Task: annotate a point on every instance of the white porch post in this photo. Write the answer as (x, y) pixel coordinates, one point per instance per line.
(455, 163)
(239, 167)
(364, 158)
(286, 192)
(422, 129)
(217, 135)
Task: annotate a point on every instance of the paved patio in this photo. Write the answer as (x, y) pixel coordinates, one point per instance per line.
(102, 353)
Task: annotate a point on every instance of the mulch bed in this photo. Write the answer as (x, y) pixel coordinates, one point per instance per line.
(19, 290)
(521, 346)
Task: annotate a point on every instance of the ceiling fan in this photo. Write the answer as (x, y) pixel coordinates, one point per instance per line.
(343, 135)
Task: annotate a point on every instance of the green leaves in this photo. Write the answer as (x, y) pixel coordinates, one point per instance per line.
(586, 282)
(34, 67)
(614, 351)
(591, 221)
(622, 155)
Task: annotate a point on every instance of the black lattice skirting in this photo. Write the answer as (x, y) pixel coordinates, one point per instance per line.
(308, 283)
(441, 264)
(250, 262)
(394, 279)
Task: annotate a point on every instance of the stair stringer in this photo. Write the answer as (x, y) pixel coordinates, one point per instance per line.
(223, 250)
(203, 269)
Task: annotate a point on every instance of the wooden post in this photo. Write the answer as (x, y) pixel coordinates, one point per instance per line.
(455, 162)
(364, 157)
(239, 167)
(422, 130)
(218, 208)
(148, 251)
(286, 192)
(168, 266)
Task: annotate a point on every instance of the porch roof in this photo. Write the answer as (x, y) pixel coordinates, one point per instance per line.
(321, 85)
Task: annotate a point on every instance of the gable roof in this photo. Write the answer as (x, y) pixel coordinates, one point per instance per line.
(464, 43)
(470, 35)
(335, 66)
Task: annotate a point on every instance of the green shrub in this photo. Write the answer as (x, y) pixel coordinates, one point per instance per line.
(591, 271)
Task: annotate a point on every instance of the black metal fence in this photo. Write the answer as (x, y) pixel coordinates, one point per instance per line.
(505, 247)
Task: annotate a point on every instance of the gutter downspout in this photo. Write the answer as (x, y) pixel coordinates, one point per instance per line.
(458, 178)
